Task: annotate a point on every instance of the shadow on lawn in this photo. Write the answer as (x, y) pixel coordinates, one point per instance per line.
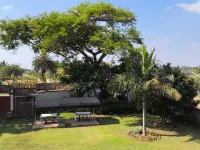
(16, 126)
(169, 130)
(15, 130)
(182, 130)
(109, 121)
(20, 129)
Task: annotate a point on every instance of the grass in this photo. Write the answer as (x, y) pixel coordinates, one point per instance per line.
(112, 134)
(16, 121)
(66, 115)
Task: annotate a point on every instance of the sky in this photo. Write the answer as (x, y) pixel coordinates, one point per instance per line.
(169, 26)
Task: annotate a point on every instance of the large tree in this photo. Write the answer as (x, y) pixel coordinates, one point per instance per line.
(89, 30)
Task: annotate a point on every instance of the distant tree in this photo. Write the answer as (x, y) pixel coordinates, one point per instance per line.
(196, 70)
(15, 70)
(8, 70)
(59, 64)
(3, 63)
(3, 75)
(33, 75)
(43, 63)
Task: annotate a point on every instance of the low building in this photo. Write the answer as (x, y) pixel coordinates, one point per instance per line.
(63, 99)
(24, 102)
(6, 101)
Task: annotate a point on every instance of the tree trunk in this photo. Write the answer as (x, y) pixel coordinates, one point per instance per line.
(43, 75)
(144, 114)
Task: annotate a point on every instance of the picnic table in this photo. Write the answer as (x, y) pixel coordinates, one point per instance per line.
(44, 117)
(82, 114)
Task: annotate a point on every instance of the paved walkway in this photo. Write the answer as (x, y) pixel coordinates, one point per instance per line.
(15, 125)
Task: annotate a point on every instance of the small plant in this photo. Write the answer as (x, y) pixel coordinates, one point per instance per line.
(137, 130)
(151, 136)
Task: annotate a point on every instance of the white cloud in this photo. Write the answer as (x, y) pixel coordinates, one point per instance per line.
(169, 8)
(7, 7)
(192, 7)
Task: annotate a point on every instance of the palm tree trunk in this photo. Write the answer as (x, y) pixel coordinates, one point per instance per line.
(144, 114)
(43, 75)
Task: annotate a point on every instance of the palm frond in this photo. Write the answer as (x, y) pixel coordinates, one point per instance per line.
(153, 83)
(162, 88)
(120, 83)
(148, 61)
(168, 79)
(150, 57)
(43, 61)
(170, 92)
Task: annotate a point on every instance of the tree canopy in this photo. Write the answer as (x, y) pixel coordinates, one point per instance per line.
(91, 30)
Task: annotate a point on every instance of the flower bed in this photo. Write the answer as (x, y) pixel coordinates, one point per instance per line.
(151, 136)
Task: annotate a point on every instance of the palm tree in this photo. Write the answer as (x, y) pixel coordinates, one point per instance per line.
(44, 63)
(141, 70)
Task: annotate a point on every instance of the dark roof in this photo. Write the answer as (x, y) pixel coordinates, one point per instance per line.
(62, 99)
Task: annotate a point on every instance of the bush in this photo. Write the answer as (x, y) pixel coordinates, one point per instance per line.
(103, 95)
(118, 109)
(192, 118)
(137, 130)
(110, 102)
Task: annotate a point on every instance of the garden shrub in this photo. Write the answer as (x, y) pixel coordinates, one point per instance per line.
(137, 130)
(103, 95)
(118, 109)
(151, 136)
(192, 118)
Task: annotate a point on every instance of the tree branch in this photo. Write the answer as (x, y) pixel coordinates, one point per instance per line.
(89, 50)
(64, 56)
(79, 50)
(101, 58)
(99, 52)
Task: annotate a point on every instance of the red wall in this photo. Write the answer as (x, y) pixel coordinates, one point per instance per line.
(4, 104)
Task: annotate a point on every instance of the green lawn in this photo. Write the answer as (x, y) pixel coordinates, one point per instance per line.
(112, 134)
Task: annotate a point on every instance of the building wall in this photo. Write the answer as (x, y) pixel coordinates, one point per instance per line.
(24, 107)
(4, 104)
(23, 102)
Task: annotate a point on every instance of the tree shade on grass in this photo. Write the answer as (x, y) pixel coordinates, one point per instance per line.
(108, 136)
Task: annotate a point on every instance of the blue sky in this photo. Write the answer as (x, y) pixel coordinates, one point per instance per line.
(171, 26)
